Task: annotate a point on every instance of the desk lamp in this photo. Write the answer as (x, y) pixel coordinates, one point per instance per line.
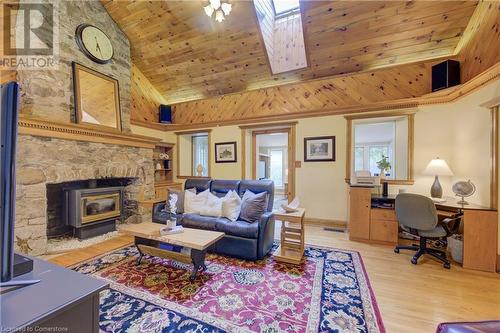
(437, 167)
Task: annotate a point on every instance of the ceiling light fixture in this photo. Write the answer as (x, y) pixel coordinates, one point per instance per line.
(220, 9)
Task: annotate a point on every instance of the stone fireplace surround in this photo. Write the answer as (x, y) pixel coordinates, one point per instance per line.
(43, 160)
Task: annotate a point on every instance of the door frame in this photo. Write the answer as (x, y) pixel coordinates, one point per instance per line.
(291, 155)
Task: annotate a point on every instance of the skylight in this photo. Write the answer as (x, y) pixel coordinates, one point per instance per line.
(285, 6)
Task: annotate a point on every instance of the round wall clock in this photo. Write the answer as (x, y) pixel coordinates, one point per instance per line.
(94, 43)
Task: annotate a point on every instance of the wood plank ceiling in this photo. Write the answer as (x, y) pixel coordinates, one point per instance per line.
(188, 56)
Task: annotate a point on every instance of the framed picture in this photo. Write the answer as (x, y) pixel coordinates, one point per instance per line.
(319, 149)
(225, 152)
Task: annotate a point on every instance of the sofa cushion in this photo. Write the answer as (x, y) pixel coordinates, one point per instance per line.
(237, 228)
(258, 186)
(194, 203)
(199, 222)
(212, 207)
(231, 206)
(180, 199)
(253, 206)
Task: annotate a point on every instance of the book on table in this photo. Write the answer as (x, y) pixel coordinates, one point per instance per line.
(172, 230)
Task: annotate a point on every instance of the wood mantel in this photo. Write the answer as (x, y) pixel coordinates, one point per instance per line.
(78, 132)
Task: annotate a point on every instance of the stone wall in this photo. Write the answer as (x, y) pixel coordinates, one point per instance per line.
(48, 94)
(42, 161)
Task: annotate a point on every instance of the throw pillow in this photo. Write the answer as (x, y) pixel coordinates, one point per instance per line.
(253, 206)
(212, 207)
(180, 199)
(231, 205)
(193, 203)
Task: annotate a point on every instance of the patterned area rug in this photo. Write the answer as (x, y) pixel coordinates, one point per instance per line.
(329, 292)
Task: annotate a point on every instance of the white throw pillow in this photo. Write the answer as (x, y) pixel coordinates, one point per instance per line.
(194, 203)
(231, 205)
(212, 207)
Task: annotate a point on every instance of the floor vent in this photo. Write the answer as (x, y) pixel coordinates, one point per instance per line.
(335, 229)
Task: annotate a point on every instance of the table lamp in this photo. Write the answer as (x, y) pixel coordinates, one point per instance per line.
(437, 167)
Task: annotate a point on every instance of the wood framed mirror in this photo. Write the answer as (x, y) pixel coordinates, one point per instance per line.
(97, 98)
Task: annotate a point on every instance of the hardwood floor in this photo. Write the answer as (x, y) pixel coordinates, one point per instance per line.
(411, 298)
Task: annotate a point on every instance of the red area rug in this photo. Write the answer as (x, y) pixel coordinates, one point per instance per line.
(329, 292)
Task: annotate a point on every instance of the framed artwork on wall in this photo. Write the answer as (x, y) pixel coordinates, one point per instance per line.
(319, 149)
(225, 152)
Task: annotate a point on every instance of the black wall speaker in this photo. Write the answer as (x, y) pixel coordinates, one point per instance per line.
(165, 114)
(445, 75)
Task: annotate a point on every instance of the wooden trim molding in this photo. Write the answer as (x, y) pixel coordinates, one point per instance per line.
(208, 130)
(494, 156)
(325, 222)
(80, 132)
(380, 114)
(269, 125)
(151, 125)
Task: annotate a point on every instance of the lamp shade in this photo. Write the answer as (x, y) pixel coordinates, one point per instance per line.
(438, 167)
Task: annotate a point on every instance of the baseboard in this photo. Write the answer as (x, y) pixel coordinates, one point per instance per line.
(325, 222)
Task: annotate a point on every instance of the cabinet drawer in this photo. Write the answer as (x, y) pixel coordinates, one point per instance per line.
(383, 214)
(384, 231)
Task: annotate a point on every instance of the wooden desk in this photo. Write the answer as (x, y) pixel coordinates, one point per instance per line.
(379, 225)
(291, 248)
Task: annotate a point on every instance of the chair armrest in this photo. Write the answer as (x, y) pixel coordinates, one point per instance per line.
(158, 207)
(266, 234)
(264, 219)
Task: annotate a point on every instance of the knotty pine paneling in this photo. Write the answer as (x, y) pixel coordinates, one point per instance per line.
(144, 98)
(188, 56)
(481, 45)
(359, 89)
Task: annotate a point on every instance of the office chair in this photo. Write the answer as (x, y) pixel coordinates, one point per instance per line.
(419, 215)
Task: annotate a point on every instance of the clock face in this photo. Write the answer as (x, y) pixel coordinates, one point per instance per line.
(94, 43)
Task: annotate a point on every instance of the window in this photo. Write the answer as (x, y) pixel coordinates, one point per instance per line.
(200, 155)
(277, 166)
(383, 139)
(283, 7)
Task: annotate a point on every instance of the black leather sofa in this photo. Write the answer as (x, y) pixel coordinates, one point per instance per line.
(243, 240)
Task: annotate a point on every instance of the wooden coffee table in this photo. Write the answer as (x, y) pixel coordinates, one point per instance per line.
(148, 241)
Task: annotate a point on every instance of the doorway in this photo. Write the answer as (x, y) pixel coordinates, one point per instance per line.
(272, 158)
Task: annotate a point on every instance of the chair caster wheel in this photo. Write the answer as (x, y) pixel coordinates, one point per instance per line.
(396, 250)
(446, 265)
(413, 261)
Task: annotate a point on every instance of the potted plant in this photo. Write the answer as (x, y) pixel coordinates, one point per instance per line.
(384, 166)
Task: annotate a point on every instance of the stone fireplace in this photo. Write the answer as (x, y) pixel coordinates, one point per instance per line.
(53, 150)
(46, 165)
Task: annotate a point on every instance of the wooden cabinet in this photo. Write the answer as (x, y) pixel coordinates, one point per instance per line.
(384, 226)
(480, 240)
(359, 213)
(367, 224)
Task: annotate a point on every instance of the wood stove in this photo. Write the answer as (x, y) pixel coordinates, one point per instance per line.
(93, 211)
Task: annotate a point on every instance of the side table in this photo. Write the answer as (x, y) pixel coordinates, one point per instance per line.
(291, 248)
